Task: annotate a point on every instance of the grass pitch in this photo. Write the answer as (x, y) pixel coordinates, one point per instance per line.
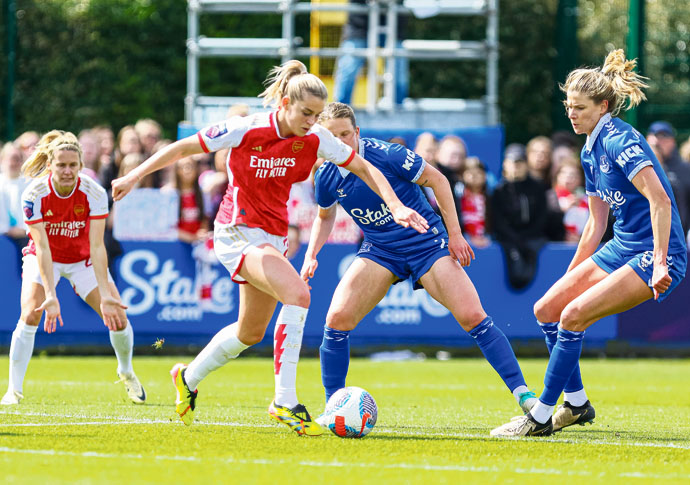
(75, 426)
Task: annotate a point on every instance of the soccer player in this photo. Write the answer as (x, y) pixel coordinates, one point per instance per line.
(65, 211)
(646, 258)
(390, 253)
(269, 152)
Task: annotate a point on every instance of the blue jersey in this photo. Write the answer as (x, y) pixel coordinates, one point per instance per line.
(615, 152)
(402, 168)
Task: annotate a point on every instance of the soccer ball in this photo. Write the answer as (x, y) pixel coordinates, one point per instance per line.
(350, 413)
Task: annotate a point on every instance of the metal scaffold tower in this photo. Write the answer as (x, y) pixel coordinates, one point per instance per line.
(380, 82)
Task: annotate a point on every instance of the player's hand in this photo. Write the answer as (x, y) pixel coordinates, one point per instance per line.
(407, 217)
(460, 249)
(52, 309)
(661, 281)
(308, 270)
(111, 310)
(123, 185)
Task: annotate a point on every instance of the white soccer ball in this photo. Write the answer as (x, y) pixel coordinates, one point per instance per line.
(350, 413)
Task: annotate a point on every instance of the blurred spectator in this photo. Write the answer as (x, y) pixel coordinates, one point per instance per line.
(679, 191)
(193, 225)
(426, 146)
(107, 140)
(12, 184)
(26, 142)
(294, 241)
(127, 142)
(539, 159)
(355, 37)
(475, 203)
(570, 192)
(685, 151)
(398, 140)
(129, 163)
(239, 109)
(91, 153)
(149, 133)
(662, 138)
(518, 208)
(450, 161)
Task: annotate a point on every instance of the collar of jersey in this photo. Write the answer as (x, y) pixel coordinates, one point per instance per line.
(274, 122)
(593, 137)
(50, 182)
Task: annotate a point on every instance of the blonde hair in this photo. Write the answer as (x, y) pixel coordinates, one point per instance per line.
(291, 79)
(337, 111)
(46, 151)
(614, 82)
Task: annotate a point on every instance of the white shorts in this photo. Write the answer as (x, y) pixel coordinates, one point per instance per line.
(81, 274)
(232, 243)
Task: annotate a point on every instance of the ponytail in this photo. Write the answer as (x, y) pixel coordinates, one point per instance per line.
(291, 79)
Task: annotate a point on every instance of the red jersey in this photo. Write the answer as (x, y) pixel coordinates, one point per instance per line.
(190, 213)
(473, 207)
(262, 166)
(66, 218)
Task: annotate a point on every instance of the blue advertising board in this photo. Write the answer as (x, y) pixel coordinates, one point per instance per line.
(158, 283)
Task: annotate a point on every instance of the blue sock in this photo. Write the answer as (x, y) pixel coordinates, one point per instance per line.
(564, 357)
(550, 330)
(497, 350)
(335, 359)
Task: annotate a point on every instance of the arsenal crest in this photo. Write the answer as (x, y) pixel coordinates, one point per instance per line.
(79, 209)
(297, 146)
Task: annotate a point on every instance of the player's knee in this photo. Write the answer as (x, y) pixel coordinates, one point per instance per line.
(341, 320)
(471, 320)
(542, 311)
(31, 317)
(299, 296)
(572, 318)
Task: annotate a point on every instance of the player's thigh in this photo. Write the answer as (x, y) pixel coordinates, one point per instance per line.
(255, 312)
(570, 286)
(620, 291)
(93, 299)
(32, 296)
(448, 283)
(266, 269)
(364, 284)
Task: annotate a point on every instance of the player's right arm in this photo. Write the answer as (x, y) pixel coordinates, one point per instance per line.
(593, 232)
(45, 267)
(162, 158)
(320, 230)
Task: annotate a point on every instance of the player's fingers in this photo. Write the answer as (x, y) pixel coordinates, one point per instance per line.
(472, 256)
(656, 294)
(60, 318)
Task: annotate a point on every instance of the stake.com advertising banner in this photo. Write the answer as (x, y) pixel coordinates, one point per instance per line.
(171, 295)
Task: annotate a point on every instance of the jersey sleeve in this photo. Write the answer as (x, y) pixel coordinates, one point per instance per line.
(322, 181)
(590, 188)
(226, 134)
(31, 202)
(331, 148)
(405, 163)
(98, 200)
(626, 150)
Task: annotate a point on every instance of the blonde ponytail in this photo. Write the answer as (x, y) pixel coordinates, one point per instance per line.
(46, 150)
(291, 79)
(614, 82)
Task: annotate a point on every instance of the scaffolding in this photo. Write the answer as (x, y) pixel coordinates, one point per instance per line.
(201, 109)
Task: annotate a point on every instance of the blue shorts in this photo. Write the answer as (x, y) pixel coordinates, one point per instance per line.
(411, 262)
(612, 256)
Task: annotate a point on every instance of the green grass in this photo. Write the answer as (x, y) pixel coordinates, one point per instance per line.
(75, 426)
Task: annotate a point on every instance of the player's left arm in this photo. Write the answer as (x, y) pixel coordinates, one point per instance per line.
(457, 245)
(649, 185)
(373, 177)
(111, 307)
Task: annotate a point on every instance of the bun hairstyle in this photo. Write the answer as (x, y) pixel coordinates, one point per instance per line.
(291, 79)
(46, 150)
(615, 81)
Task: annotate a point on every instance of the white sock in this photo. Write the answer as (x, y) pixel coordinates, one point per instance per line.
(287, 342)
(577, 398)
(123, 342)
(223, 346)
(519, 390)
(21, 349)
(541, 412)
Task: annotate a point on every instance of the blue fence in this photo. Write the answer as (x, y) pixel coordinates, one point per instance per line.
(157, 281)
